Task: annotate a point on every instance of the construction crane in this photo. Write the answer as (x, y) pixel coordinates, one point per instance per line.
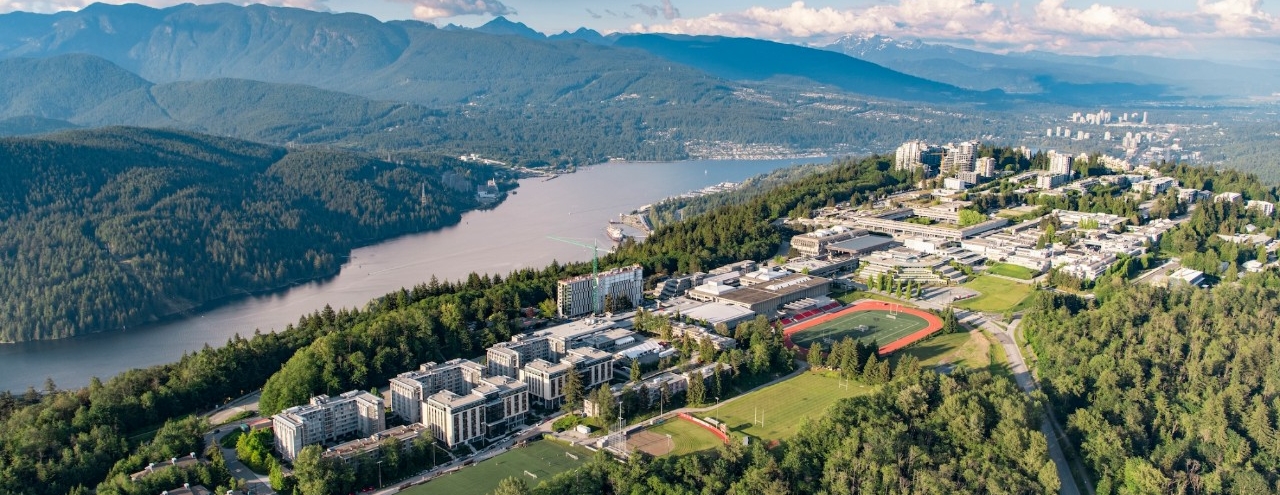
(595, 268)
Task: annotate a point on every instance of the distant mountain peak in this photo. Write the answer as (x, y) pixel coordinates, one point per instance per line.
(861, 44)
(582, 33)
(502, 26)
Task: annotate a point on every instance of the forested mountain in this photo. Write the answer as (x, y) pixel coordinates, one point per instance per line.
(699, 120)
(111, 228)
(759, 60)
(402, 61)
(1046, 74)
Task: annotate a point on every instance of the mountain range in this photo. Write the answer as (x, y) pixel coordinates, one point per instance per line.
(1042, 72)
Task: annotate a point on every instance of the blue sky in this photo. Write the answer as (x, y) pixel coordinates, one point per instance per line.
(1220, 29)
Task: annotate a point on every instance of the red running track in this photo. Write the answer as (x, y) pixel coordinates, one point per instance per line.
(935, 324)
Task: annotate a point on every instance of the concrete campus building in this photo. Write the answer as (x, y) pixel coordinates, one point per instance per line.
(574, 296)
(326, 418)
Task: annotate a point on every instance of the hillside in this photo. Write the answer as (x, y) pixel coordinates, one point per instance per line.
(759, 60)
(1060, 77)
(116, 227)
(704, 119)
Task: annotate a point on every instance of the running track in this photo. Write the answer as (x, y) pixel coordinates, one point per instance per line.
(934, 325)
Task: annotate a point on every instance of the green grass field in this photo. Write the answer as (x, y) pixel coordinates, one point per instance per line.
(686, 437)
(879, 328)
(784, 405)
(998, 295)
(543, 458)
(1014, 271)
(970, 349)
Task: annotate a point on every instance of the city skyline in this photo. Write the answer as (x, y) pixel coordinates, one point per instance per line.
(1222, 29)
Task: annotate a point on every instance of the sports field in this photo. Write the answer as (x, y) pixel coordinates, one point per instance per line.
(868, 326)
(543, 458)
(998, 295)
(686, 437)
(776, 412)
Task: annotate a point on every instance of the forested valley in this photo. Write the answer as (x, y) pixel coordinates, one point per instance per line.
(1110, 365)
(107, 229)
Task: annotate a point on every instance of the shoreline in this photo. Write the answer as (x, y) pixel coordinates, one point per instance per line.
(223, 300)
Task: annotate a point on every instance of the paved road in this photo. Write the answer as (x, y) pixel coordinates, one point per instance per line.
(258, 484)
(1027, 382)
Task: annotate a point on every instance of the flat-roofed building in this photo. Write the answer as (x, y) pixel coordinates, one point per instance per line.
(506, 358)
(863, 245)
(409, 389)
(822, 266)
(506, 404)
(370, 446)
(765, 299)
(815, 243)
(594, 365)
(546, 381)
(327, 418)
(1156, 185)
(985, 166)
(576, 296)
(1265, 207)
(453, 418)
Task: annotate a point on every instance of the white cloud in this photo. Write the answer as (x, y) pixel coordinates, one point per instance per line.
(1049, 24)
(428, 10)
(47, 6)
(1099, 22)
(1239, 17)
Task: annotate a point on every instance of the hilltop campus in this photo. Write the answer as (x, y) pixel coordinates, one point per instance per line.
(903, 244)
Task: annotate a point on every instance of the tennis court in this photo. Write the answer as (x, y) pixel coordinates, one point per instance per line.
(889, 325)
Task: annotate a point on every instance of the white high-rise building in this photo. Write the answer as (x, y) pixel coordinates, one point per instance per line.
(985, 166)
(960, 157)
(574, 295)
(327, 418)
(1059, 163)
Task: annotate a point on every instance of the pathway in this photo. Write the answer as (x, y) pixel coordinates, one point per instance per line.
(1049, 425)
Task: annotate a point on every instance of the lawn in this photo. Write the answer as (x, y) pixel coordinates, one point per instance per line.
(686, 437)
(969, 349)
(877, 326)
(1014, 271)
(998, 295)
(857, 295)
(784, 405)
(543, 458)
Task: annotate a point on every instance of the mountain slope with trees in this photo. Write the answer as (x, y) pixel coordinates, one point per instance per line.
(112, 228)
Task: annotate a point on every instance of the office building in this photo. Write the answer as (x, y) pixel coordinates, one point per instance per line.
(327, 418)
(815, 243)
(576, 296)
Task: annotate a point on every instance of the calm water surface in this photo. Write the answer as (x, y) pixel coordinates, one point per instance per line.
(512, 235)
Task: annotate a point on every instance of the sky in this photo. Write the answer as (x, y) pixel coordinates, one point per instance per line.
(1215, 29)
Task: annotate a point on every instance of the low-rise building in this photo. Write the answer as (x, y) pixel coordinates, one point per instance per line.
(910, 265)
(1265, 207)
(815, 243)
(189, 460)
(1156, 185)
(371, 446)
(1228, 197)
(326, 419)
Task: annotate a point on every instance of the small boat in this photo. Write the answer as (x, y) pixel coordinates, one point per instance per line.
(615, 233)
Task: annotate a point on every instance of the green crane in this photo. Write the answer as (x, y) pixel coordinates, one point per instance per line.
(595, 268)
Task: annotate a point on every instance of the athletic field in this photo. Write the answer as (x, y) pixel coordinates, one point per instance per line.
(892, 326)
(542, 458)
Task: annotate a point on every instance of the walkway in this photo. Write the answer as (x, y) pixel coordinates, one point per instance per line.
(1049, 425)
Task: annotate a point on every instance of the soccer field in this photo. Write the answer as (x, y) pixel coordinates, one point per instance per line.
(879, 326)
(543, 458)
